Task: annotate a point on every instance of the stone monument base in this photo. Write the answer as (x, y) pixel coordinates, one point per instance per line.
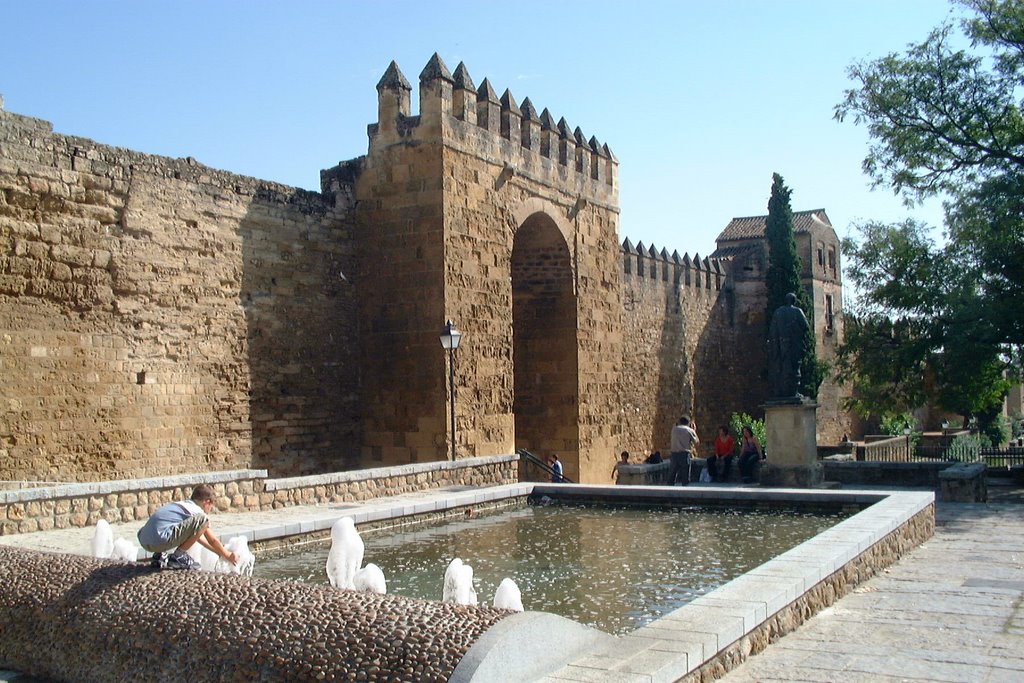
(792, 477)
(792, 447)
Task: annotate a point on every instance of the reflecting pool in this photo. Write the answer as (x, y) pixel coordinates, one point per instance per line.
(614, 568)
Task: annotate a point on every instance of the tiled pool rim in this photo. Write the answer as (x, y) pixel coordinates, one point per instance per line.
(713, 633)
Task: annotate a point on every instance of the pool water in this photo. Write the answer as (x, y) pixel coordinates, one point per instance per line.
(613, 568)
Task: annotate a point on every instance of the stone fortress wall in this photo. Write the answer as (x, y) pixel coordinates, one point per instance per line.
(679, 345)
(161, 317)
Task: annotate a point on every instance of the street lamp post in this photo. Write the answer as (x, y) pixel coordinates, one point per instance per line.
(450, 338)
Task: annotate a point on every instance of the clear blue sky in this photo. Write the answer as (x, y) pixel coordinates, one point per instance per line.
(700, 101)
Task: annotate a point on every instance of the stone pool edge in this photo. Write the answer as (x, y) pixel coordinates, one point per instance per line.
(716, 632)
(697, 642)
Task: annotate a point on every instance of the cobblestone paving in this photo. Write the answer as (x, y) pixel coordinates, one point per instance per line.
(952, 610)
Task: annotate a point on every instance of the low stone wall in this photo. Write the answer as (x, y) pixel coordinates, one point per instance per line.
(964, 483)
(910, 474)
(389, 481)
(79, 505)
(80, 619)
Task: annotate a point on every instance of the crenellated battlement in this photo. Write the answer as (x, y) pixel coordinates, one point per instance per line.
(513, 134)
(648, 263)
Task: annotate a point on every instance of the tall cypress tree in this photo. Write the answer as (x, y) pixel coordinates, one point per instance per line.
(784, 268)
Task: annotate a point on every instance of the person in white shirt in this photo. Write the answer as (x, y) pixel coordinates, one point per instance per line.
(684, 438)
(179, 526)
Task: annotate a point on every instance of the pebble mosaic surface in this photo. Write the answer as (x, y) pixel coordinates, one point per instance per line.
(79, 619)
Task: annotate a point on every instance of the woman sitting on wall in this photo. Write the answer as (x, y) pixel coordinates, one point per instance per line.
(750, 455)
(719, 464)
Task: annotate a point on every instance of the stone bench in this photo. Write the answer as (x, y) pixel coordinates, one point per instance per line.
(963, 483)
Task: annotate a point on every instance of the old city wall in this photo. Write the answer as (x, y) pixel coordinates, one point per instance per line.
(160, 317)
(399, 287)
(683, 327)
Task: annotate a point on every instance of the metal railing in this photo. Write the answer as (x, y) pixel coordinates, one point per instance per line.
(901, 449)
(1003, 457)
(533, 460)
(896, 449)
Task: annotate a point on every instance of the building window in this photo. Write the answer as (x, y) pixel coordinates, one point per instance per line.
(829, 316)
(832, 260)
(821, 255)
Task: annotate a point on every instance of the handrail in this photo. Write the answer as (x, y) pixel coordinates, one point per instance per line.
(534, 460)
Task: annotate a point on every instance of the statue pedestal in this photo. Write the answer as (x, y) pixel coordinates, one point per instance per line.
(792, 445)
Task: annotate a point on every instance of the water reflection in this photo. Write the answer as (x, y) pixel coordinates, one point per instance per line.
(612, 568)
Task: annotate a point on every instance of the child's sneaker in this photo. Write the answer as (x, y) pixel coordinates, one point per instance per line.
(179, 559)
(159, 561)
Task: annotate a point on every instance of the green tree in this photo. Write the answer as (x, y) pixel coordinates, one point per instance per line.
(941, 322)
(919, 331)
(783, 277)
(942, 118)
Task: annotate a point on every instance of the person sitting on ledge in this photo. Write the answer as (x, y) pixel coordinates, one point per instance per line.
(178, 526)
(718, 464)
(750, 455)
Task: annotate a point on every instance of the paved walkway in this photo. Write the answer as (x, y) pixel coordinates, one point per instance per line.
(951, 610)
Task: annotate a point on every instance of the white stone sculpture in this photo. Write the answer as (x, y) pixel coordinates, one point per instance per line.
(239, 545)
(102, 539)
(458, 584)
(124, 550)
(508, 596)
(370, 579)
(346, 553)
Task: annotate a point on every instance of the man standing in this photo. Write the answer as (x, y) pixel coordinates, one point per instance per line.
(556, 469)
(684, 438)
(178, 526)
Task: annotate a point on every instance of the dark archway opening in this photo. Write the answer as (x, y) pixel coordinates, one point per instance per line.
(545, 358)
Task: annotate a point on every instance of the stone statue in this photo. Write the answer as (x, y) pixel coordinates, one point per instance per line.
(787, 344)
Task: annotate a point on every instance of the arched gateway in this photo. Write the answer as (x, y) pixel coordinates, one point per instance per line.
(544, 343)
(505, 222)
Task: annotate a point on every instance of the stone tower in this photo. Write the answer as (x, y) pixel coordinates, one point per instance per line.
(481, 211)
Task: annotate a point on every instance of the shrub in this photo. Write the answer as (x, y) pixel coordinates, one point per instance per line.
(738, 421)
(897, 423)
(965, 448)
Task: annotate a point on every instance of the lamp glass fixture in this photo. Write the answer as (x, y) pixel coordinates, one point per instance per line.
(450, 336)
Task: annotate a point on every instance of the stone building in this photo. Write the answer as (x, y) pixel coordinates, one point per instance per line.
(158, 316)
(744, 245)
